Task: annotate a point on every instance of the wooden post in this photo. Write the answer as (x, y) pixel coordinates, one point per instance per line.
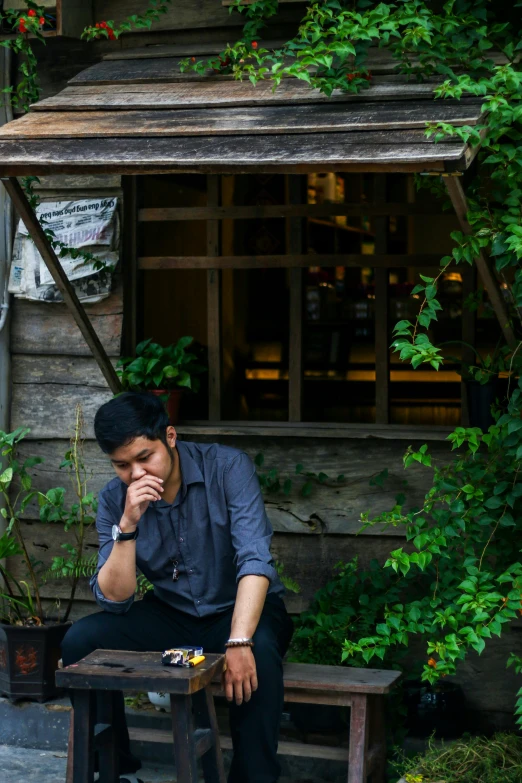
(213, 306)
(469, 286)
(294, 243)
(63, 284)
(183, 735)
(130, 264)
(483, 262)
(382, 340)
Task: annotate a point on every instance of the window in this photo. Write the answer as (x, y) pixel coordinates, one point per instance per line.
(310, 275)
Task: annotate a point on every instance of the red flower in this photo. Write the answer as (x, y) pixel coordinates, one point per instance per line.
(104, 25)
(193, 59)
(21, 25)
(350, 77)
(111, 35)
(41, 20)
(31, 12)
(254, 44)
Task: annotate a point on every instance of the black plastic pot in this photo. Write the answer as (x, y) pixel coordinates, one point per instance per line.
(438, 709)
(29, 658)
(481, 397)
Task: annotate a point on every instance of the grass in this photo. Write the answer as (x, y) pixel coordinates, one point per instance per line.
(496, 759)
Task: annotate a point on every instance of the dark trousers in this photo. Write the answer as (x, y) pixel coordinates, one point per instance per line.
(151, 625)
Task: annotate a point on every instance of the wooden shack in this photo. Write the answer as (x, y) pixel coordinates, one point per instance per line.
(284, 232)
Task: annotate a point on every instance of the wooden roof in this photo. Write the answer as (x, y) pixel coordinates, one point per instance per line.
(141, 115)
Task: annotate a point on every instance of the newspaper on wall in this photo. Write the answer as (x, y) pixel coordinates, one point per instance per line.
(87, 224)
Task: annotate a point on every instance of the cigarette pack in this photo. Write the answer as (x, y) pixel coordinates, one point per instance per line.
(180, 656)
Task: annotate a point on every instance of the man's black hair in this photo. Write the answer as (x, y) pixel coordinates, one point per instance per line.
(129, 416)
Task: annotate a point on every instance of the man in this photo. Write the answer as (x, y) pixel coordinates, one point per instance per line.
(191, 517)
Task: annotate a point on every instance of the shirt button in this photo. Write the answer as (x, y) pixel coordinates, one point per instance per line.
(180, 540)
(198, 602)
(190, 571)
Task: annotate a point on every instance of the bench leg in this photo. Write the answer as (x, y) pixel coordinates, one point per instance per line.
(183, 734)
(358, 738)
(108, 752)
(377, 751)
(212, 760)
(83, 736)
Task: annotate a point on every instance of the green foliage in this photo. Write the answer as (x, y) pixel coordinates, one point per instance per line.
(16, 492)
(271, 481)
(156, 367)
(290, 584)
(496, 759)
(460, 581)
(349, 606)
(77, 518)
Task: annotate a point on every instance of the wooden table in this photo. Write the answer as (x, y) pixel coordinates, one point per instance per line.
(95, 681)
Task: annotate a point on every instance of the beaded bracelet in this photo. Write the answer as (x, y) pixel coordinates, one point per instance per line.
(239, 643)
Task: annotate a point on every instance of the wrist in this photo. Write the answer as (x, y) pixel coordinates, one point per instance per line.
(126, 526)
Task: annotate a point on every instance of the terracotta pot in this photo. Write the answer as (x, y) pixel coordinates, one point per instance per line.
(29, 659)
(173, 402)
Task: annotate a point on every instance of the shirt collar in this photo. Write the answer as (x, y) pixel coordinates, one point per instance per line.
(190, 471)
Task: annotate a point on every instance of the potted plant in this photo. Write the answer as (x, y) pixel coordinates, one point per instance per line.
(29, 643)
(30, 639)
(164, 371)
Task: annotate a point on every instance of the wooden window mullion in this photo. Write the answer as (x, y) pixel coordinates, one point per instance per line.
(214, 305)
(382, 341)
(294, 246)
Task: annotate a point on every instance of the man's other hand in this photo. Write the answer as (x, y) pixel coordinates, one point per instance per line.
(240, 675)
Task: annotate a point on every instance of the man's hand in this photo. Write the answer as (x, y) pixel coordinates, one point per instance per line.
(139, 494)
(240, 675)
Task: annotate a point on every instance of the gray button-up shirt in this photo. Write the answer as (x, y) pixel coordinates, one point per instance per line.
(216, 529)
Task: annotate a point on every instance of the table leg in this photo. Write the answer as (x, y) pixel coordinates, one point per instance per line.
(183, 734)
(108, 752)
(83, 735)
(70, 751)
(212, 760)
(358, 739)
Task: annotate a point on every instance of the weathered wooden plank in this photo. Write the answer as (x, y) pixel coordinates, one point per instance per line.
(57, 369)
(218, 93)
(287, 261)
(312, 118)
(160, 214)
(200, 49)
(38, 328)
(334, 509)
(296, 154)
(49, 409)
(199, 429)
(180, 15)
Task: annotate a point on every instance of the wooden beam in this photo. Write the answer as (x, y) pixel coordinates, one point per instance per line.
(153, 214)
(61, 280)
(485, 267)
(295, 192)
(382, 341)
(213, 304)
(130, 265)
(286, 261)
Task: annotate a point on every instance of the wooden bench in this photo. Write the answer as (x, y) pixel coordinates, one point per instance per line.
(363, 690)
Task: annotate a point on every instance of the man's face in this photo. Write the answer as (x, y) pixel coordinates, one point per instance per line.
(143, 456)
